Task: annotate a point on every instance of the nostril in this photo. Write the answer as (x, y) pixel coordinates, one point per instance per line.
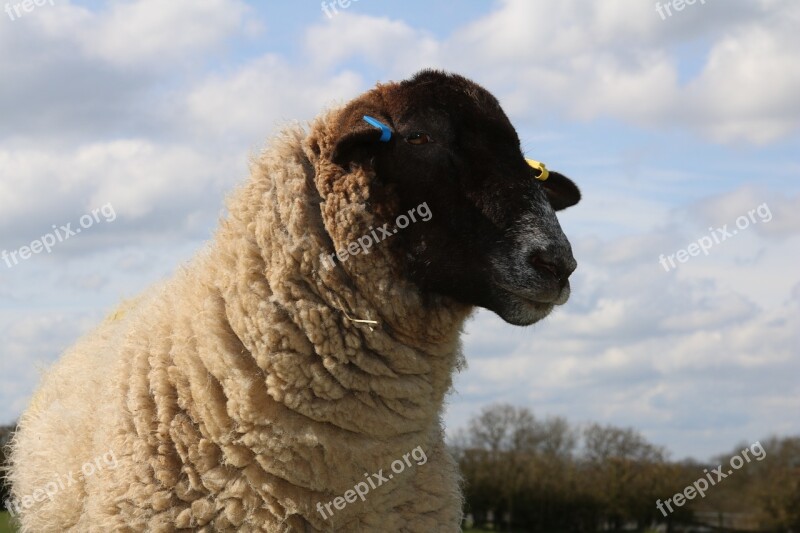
(540, 264)
(559, 272)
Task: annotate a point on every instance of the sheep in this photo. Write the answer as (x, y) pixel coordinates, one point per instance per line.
(271, 385)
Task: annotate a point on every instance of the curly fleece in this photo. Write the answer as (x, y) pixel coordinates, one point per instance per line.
(239, 394)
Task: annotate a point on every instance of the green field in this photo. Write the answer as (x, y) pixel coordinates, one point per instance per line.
(5, 523)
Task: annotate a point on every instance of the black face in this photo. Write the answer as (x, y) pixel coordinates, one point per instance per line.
(492, 238)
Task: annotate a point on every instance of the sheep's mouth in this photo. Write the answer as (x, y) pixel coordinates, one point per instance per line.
(537, 305)
(520, 309)
(527, 297)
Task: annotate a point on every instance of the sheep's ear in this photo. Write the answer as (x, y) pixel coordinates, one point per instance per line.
(361, 132)
(356, 145)
(561, 191)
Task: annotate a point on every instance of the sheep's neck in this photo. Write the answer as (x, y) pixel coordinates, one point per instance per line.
(297, 321)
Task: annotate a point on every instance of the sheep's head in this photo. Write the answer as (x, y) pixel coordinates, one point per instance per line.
(492, 238)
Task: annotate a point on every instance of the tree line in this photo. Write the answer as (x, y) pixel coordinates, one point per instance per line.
(525, 474)
(5, 437)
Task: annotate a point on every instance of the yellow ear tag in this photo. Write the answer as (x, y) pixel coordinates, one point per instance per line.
(543, 172)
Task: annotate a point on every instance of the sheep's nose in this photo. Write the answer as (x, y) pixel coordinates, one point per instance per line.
(558, 268)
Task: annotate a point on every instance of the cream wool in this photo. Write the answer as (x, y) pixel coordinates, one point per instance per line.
(238, 395)
(247, 390)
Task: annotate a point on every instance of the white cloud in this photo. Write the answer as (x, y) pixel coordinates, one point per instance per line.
(150, 31)
(608, 59)
(156, 188)
(251, 101)
(748, 89)
(392, 44)
(79, 74)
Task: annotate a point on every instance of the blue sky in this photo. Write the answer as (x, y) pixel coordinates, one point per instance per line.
(669, 127)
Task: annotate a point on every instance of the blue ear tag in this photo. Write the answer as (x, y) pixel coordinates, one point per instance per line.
(386, 133)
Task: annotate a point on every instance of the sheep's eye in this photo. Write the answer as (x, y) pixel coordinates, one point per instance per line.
(418, 137)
